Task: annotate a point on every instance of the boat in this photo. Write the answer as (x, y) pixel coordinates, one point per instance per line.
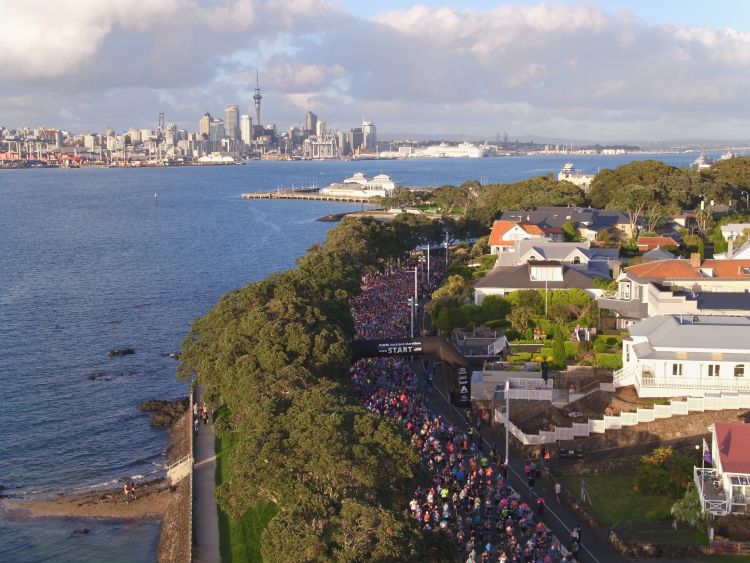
(360, 186)
(575, 177)
(703, 162)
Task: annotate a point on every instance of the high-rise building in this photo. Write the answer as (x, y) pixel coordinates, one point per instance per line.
(320, 129)
(204, 124)
(369, 141)
(216, 130)
(232, 121)
(342, 142)
(311, 122)
(355, 139)
(246, 129)
(257, 97)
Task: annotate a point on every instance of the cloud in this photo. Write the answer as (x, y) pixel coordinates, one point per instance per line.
(556, 70)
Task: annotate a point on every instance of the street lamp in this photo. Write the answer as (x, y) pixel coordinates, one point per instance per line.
(747, 199)
(411, 314)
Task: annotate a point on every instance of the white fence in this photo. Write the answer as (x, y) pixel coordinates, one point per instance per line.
(723, 401)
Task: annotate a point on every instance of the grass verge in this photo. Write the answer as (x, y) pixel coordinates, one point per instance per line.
(239, 541)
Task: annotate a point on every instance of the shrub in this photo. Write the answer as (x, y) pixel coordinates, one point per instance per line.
(609, 361)
(664, 472)
(571, 349)
(600, 345)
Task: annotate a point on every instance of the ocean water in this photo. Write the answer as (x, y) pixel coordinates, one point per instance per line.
(91, 260)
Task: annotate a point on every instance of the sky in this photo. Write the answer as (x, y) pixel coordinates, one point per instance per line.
(607, 71)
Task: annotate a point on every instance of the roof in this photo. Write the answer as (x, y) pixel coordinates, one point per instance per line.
(519, 277)
(696, 333)
(658, 254)
(723, 301)
(729, 268)
(588, 217)
(657, 241)
(663, 269)
(733, 443)
(499, 228)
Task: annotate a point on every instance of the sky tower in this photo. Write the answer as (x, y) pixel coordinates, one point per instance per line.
(257, 97)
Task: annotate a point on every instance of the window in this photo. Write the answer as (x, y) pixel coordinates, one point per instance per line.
(577, 260)
(713, 370)
(676, 369)
(627, 353)
(625, 288)
(739, 370)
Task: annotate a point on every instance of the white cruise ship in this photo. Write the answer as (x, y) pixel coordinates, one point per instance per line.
(575, 177)
(444, 150)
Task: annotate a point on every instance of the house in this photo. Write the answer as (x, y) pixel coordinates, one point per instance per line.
(741, 253)
(725, 487)
(686, 355)
(506, 233)
(677, 287)
(734, 230)
(650, 243)
(547, 275)
(589, 222)
(579, 255)
(658, 254)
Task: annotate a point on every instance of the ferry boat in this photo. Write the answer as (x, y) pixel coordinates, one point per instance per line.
(703, 162)
(360, 186)
(570, 174)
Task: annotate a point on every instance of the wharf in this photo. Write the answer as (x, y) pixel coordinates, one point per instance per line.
(306, 193)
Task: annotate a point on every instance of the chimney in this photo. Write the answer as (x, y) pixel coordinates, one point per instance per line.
(730, 248)
(616, 269)
(695, 260)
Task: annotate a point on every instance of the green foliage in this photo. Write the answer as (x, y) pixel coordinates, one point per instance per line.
(570, 232)
(486, 264)
(460, 270)
(691, 244)
(664, 472)
(558, 349)
(455, 286)
(609, 361)
(689, 508)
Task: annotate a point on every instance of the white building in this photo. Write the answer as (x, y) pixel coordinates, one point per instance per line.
(570, 174)
(686, 355)
(725, 487)
(579, 255)
(444, 150)
(360, 186)
(246, 129)
(734, 230)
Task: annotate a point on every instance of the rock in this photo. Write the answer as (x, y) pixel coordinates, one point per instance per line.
(165, 413)
(122, 352)
(173, 355)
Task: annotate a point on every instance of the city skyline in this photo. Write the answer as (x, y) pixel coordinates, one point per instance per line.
(607, 71)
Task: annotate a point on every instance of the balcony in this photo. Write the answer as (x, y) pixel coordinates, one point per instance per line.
(711, 492)
(647, 380)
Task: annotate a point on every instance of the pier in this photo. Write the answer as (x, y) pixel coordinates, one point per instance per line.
(307, 193)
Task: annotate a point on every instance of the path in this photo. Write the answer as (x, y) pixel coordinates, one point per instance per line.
(205, 513)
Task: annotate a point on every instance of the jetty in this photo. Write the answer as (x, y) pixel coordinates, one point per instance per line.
(307, 193)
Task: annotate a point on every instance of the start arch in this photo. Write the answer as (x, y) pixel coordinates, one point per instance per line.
(437, 347)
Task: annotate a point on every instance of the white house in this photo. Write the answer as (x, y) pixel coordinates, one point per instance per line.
(734, 230)
(549, 276)
(686, 355)
(361, 186)
(725, 487)
(505, 234)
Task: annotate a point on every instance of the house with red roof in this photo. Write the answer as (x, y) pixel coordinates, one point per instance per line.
(506, 233)
(724, 487)
(649, 243)
(684, 287)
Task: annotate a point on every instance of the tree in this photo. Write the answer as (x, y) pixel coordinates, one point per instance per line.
(558, 349)
(520, 318)
(448, 198)
(633, 200)
(689, 509)
(570, 232)
(640, 172)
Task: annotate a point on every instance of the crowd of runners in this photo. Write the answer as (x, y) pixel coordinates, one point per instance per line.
(469, 497)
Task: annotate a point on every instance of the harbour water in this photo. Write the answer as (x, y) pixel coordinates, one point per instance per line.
(98, 259)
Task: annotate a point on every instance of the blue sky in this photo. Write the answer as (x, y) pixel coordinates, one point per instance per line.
(694, 13)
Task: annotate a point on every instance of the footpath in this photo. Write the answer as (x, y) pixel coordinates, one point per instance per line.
(205, 512)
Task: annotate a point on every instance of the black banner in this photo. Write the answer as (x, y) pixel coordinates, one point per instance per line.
(435, 346)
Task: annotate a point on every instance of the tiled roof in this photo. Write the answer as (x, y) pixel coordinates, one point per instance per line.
(518, 277)
(531, 228)
(499, 228)
(657, 241)
(663, 269)
(733, 443)
(729, 268)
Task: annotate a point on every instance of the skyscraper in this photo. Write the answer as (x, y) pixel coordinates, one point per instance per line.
(257, 97)
(311, 122)
(204, 124)
(246, 129)
(232, 121)
(355, 140)
(369, 141)
(320, 129)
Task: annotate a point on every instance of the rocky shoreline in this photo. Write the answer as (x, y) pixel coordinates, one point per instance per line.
(155, 499)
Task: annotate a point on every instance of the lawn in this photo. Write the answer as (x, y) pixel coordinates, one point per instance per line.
(239, 542)
(614, 501)
(668, 535)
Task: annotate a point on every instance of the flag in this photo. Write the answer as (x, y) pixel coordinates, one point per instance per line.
(706, 452)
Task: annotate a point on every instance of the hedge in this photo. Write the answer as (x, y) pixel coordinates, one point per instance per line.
(611, 361)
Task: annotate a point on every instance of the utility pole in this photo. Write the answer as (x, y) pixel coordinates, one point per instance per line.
(446, 250)
(429, 244)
